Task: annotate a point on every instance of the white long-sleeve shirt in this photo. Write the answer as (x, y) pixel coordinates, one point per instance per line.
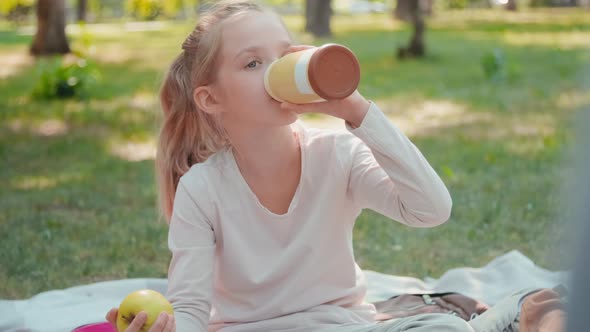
(237, 266)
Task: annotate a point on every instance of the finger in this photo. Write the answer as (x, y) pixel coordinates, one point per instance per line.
(137, 322)
(170, 324)
(112, 316)
(160, 323)
(297, 48)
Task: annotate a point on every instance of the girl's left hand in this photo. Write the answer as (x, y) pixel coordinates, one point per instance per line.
(351, 109)
(164, 323)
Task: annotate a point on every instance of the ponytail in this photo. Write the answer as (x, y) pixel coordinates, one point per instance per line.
(189, 135)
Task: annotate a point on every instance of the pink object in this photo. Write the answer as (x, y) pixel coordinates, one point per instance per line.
(96, 327)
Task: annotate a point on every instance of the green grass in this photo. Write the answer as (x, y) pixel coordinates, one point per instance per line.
(78, 201)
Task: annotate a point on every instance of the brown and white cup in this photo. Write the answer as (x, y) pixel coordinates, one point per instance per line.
(322, 73)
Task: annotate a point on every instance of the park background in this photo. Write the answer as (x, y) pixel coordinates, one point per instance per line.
(490, 103)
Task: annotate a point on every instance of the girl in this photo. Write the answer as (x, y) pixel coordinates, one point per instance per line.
(261, 209)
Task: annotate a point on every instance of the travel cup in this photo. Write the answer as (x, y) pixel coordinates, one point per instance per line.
(322, 73)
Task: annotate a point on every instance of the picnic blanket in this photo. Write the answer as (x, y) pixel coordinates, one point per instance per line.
(66, 309)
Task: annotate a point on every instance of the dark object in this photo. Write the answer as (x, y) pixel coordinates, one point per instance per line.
(65, 90)
(413, 304)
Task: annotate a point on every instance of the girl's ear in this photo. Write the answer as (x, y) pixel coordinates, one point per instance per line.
(205, 100)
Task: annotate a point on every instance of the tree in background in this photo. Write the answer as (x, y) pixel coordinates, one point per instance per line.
(560, 3)
(81, 10)
(317, 17)
(511, 5)
(154, 9)
(413, 11)
(51, 28)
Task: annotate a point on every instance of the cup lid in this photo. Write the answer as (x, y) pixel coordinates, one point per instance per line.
(333, 71)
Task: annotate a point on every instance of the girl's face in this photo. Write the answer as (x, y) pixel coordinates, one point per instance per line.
(249, 44)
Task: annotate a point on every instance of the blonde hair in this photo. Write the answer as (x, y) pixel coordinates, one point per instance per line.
(189, 135)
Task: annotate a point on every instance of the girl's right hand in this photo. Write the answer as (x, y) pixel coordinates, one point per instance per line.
(164, 323)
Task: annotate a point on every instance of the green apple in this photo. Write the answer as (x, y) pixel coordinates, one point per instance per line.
(147, 300)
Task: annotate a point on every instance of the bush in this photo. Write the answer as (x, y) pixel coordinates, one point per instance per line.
(457, 4)
(494, 65)
(460, 4)
(144, 9)
(57, 78)
(154, 9)
(16, 10)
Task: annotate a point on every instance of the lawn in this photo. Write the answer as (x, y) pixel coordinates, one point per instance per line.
(77, 198)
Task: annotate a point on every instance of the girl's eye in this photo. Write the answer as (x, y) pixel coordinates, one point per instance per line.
(252, 64)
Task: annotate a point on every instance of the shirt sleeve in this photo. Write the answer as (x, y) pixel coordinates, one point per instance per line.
(391, 176)
(190, 276)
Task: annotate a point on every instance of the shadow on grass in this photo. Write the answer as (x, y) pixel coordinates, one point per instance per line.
(535, 75)
(75, 214)
(503, 200)
(524, 26)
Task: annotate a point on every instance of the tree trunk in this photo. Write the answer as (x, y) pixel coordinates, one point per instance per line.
(317, 17)
(511, 5)
(411, 10)
(51, 28)
(81, 10)
(403, 9)
(308, 15)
